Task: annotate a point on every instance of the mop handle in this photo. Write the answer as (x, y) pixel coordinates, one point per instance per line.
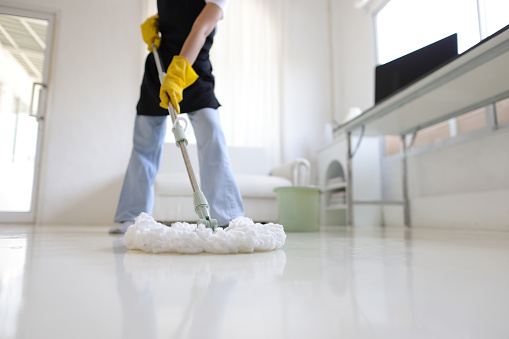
(173, 114)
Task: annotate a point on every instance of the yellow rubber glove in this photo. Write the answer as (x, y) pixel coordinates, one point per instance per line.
(150, 32)
(179, 76)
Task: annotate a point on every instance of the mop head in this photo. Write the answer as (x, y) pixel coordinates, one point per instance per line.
(241, 236)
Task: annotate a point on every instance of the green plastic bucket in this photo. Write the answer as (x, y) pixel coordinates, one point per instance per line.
(299, 208)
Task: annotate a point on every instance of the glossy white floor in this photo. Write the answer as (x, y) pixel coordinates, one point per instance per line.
(80, 282)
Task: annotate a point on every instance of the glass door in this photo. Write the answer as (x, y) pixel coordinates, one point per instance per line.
(25, 46)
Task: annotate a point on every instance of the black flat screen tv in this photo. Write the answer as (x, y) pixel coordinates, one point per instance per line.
(401, 72)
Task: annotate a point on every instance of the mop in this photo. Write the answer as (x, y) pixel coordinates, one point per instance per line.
(242, 235)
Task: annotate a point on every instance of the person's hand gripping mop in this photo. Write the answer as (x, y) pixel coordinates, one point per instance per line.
(179, 75)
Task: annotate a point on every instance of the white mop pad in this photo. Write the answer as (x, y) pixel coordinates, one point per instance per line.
(241, 236)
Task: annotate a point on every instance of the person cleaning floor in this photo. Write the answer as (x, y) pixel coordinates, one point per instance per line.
(187, 29)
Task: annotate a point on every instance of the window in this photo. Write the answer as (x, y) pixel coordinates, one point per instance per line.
(471, 121)
(502, 108)
(404, 26)
(392, 145)
(433, 134)
(495, 15)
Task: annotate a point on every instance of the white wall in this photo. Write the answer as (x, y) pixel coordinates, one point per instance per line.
(306, 98)
(93, 90)
(353, 55)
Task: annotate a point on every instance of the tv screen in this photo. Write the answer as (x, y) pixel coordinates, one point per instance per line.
(396, 74)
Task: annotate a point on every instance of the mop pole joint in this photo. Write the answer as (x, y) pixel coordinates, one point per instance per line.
(179, 134)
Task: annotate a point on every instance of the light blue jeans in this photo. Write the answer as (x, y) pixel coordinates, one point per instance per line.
(217, 180)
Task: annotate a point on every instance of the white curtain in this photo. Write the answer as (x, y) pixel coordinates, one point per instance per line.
(247, 64)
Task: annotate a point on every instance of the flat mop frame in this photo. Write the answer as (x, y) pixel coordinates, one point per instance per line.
(201, 206)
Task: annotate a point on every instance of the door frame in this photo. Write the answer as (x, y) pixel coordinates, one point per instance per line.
(36, 13)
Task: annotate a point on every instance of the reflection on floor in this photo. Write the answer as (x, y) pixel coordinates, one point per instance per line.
(80, 282)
